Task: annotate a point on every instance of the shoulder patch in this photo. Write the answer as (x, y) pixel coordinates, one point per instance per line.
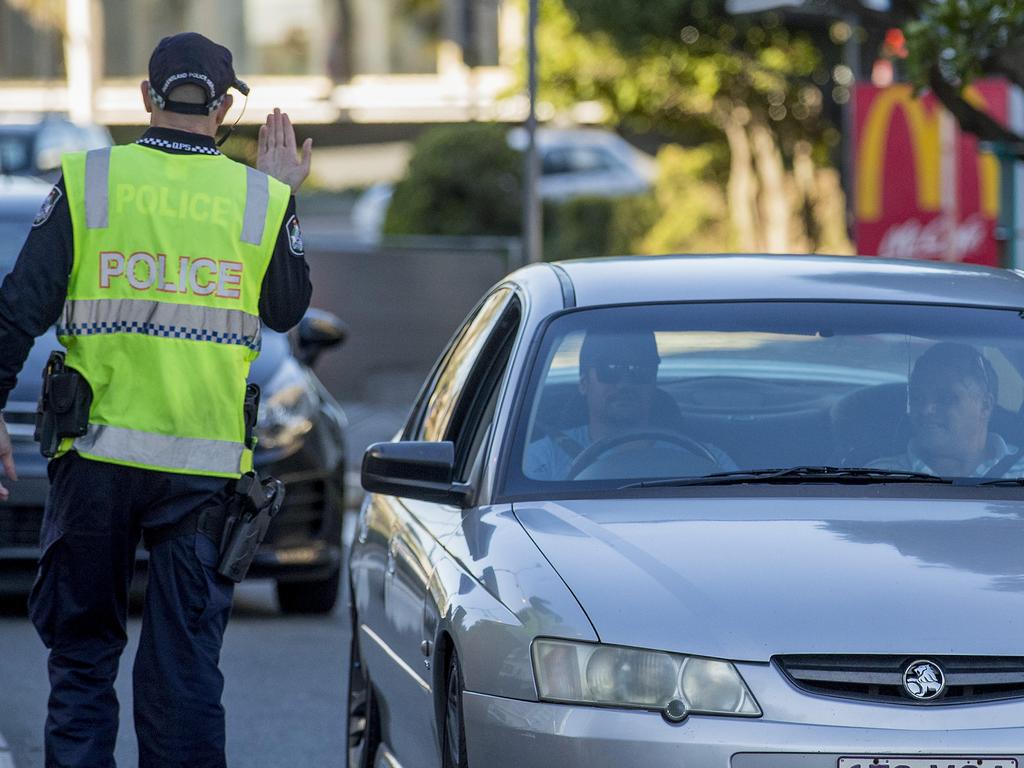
(47, 207)
(295, 236)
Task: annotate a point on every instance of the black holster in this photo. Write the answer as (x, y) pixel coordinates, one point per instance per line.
(238, 527)
(253, 506)
(63, 407)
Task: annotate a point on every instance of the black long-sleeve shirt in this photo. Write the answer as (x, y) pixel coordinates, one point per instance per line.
(33, 294)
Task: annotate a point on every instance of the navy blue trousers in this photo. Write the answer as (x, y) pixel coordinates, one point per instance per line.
(94, 518)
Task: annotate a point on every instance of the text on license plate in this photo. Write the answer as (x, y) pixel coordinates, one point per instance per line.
(927, 762)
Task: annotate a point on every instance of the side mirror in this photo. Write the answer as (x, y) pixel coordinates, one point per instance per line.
(318, 331)
(414, 470)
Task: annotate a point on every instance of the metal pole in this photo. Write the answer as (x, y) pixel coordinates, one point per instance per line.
(532, 212)
(1006, 223)
(1006, 228)
(847, 151)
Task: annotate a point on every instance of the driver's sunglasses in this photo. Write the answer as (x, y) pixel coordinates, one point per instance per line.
(625, 373)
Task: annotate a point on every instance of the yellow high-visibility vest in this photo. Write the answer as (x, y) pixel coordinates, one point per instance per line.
(162, 310)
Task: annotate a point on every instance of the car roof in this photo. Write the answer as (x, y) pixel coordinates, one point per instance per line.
(737, 277)
(551, 137)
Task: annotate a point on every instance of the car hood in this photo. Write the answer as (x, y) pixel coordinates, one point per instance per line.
(746, 579)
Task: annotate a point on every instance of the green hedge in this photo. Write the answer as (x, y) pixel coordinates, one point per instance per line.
(462, 180)
(587, 227)
(466, 180)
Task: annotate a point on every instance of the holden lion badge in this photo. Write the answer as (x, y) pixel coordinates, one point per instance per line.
(923, 680)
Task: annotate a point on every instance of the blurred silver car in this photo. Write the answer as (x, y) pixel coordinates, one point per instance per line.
(575, 162)
(35, 149)
(676, 511)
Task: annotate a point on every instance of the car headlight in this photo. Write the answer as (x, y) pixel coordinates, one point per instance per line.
(287, 407)
(611, 675)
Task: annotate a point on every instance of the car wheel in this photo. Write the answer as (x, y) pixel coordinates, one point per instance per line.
(309, 596)
(454, 725)
(363, 723)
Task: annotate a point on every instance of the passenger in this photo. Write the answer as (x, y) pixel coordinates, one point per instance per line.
(953, 391)
(618, 375)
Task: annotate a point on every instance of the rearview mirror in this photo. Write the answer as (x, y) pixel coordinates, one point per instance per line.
(318, 331)
(414, 470)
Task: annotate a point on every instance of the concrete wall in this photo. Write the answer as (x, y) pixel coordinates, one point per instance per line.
(401, 305)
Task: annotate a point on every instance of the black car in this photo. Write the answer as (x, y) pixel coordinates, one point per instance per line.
(300, 441)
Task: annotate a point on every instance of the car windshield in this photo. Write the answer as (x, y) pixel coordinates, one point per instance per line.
(772, 392)
(15, 152)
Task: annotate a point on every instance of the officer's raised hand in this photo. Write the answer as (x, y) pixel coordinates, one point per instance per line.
(277, 156)
(6, 459)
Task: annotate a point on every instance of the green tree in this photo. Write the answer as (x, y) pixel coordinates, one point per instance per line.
(950, 42)
(686, 70)
(953, 42)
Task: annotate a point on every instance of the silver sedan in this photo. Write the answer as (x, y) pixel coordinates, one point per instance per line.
(730, 511)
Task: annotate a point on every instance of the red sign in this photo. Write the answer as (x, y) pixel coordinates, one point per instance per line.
(923, 190)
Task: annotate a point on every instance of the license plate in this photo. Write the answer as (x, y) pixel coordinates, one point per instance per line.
(927, 762)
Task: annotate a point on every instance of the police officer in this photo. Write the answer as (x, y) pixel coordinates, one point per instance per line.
(157, 261)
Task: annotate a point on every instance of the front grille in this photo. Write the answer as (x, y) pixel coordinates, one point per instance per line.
(969, 679)
(301, 517)
(19, 526)
(19, 417)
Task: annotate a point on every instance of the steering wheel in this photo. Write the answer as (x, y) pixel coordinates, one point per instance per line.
(593, 452)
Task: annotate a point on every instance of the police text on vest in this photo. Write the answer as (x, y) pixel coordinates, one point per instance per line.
(198, 276)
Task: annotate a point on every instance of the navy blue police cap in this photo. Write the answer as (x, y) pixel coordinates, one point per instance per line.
(190, 58)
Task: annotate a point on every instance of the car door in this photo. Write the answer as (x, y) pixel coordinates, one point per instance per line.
(450, 408)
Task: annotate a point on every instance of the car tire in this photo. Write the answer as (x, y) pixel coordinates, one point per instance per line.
(309, 597)
(454, 734)
(362, 720)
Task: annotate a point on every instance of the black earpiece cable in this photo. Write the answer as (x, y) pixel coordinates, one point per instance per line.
(244, 90)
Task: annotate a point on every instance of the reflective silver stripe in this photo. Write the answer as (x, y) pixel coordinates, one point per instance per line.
(395, 657)
(88, 317)
(257, 198)
(152, 450)
(97, 193)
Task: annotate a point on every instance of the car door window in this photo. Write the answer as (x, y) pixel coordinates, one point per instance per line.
(590, 160)
(555, 160)
(472, 417)
(450, 378)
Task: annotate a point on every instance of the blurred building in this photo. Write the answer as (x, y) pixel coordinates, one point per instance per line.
(355, 60)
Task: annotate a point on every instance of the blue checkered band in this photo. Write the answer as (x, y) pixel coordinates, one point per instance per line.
(177, 146)
(156, 329)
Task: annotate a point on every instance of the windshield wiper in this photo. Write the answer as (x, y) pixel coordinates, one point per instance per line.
(858, 475)
(1003, 481)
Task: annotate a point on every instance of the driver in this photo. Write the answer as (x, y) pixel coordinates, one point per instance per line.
(618, 375)
(953, 391)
